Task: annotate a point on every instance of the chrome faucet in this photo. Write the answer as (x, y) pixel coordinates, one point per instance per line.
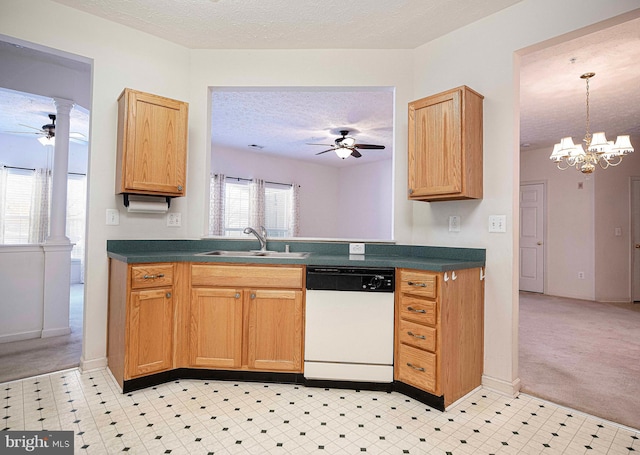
(262, 236)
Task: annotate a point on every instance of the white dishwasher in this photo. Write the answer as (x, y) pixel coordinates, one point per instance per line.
(349, 324)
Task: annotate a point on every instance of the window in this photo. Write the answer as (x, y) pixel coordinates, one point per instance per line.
(242, 207)
(18, 195)
(25, 205)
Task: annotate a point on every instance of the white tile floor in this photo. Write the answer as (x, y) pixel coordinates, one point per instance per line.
(216, 417)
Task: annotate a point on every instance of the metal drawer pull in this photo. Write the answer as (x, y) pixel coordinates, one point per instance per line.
(420, 285)
(415, 311)
(420, 337)
(237, 295)
(153, 277)
(168, 294)
(410, 365)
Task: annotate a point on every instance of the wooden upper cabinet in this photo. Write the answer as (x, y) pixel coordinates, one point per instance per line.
(152, 145)
(445, 146)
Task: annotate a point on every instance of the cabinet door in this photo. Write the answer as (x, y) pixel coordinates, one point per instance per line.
(435, 141)
(155, 145)
(216, 328)
(275, 330)
(150, 331)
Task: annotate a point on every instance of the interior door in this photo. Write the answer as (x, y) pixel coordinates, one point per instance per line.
(635, 229)
(532, 213)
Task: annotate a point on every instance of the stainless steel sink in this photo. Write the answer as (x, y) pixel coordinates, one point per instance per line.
(257, 254)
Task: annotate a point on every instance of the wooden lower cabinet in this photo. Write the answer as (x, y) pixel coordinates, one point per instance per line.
(150, 331)
(141, 319)
(255, 325)
(439, 331)
(216, 328)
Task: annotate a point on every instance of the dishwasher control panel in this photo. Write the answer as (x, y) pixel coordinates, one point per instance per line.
(344, 278)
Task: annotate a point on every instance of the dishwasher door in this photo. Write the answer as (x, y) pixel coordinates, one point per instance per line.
(349, 336)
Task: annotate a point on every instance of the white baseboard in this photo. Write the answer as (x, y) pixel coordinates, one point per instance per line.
(48, 333)
(20, 336)
(511, 389)
(93, 364)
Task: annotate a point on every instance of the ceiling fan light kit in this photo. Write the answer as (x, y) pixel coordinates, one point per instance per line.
(597, 149)
(346, 146)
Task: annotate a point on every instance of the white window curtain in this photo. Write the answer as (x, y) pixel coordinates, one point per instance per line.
(217, 204)
(256, 203)
(3, 198)
(39, 216)
(295, 210)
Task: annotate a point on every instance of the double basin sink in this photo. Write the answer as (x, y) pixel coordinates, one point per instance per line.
(257, 254)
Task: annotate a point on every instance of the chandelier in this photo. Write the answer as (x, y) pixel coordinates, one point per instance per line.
(597, 149)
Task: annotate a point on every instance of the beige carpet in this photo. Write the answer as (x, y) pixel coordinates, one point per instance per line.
(582, 354)
(23, 359)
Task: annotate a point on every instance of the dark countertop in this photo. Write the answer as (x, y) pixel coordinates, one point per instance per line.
(437, 259)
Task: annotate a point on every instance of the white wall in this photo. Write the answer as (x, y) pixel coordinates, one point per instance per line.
(483, 56)
(570, 225)
(22, 284)
(25, 151)
(480, 55)
(365, 201)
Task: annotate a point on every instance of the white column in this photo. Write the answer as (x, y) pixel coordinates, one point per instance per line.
(57, 247)
(58, 220)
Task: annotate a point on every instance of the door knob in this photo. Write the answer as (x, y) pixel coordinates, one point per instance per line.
(539, 243)
(637, 245)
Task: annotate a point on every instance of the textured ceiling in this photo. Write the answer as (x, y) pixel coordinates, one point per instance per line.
(288, 24)
(284, 121)
(553, 97)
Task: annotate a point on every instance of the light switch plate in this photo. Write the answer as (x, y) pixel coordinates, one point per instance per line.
(113, 217)
(356, 248)
(497, 223)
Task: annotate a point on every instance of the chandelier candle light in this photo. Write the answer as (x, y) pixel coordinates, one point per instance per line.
(597, 149)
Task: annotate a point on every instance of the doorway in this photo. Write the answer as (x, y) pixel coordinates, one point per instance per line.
(532, 223)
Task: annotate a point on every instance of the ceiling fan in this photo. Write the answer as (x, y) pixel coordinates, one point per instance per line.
(346, 146)
(48, 131)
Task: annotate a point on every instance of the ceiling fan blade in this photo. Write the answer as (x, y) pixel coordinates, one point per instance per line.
(22, 132)
(369, 146)
(330, 150)
(356, 154)
(325, 145)
(32, 127)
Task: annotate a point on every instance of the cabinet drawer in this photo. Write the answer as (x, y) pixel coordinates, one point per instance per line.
(417, 310)
(418, 283)
(420, 336)
(151, 276)
(418, 368)
(247, 276)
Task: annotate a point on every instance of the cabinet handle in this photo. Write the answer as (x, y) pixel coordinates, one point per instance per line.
(237, 295)
(168, 294)
(420, 337)
(410, 365)
(253, 296)
(413, 310)
(410, 190)
(179, 187)
(153, 277)
(420, 285)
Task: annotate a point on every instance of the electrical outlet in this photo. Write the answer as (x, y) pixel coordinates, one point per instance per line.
(174, 219)
(356, 248)
(581, 275)
(497, 223)
(454, 223)
(113, 217)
